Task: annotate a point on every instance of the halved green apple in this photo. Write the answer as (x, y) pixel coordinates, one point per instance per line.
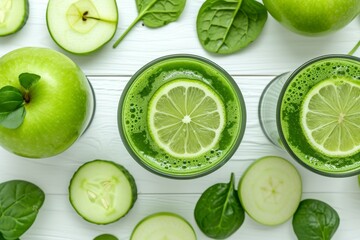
(82, 26)
(13, 16)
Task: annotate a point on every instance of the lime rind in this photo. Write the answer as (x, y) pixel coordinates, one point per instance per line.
(186, 118)
(330, 117)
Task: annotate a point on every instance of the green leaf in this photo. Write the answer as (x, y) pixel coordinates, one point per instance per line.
(227, 26)
(315, 220)
(155, 13)
(10, 99)
(2, 238)
(12, 110)
(27, 80)
(13, 120)
(218, 212)
(20, 202)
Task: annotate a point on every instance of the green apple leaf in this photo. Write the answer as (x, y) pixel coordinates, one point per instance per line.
(27, 80)
(12, 110)
(10, 99)
(13, 119)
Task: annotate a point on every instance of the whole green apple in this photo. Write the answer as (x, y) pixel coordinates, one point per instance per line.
(55, 109)
(313, 17)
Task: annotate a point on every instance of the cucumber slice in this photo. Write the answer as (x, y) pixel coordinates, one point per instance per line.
(106, 237)
(81, 26)
(13, 16)
(102, 191)
(163, 225)
(270, 190)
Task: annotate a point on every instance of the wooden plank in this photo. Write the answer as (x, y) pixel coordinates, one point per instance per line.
(277, 50)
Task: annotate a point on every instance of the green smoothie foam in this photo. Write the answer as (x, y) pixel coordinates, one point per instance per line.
(133, 115)
(293, 95)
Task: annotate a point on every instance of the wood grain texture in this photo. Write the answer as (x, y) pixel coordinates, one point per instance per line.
(109, 70)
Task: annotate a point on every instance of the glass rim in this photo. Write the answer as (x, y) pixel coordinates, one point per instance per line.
(346, 173)
(235, 143)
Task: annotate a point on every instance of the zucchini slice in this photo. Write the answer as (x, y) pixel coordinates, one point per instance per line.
(270, 190)
(102, 191)
(13, 16)
(163, 225)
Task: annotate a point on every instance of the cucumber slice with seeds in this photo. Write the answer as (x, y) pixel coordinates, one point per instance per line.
(163, 225)
(13, 16)
(102, 191)
(270, 190)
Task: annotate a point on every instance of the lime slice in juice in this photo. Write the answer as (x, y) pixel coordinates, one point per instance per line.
(186, 118)
(330, 117)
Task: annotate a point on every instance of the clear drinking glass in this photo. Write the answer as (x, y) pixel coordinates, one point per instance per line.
(280, 112)
(133, 115)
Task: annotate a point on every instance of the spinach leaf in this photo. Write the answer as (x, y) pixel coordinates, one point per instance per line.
(2, 238)
(315, 220)
(218, 212)
(155, 13)
(20, 202)
(227, 26)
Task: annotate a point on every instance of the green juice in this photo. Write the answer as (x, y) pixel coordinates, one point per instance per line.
(293, 94)
(133, 112)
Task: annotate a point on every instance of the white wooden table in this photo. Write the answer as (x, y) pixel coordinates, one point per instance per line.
(276, 51)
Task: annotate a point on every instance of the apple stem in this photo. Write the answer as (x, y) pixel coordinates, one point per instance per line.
(354, 49)
(27, 97)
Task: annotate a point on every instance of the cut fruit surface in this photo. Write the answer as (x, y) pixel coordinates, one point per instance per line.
(82, 26)
(270, 190)
(102, 191)
(330, 117)
(163, 225)
(13, 15)
(186, 118)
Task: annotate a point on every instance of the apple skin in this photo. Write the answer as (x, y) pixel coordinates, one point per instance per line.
(60, 107)
(313, 17)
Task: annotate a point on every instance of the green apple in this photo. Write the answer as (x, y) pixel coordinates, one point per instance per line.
(55, 106)
(313, 17)
(13, 16)
(82, 26)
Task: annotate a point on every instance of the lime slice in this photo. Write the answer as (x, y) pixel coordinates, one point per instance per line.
(186, 118)
(330, 117)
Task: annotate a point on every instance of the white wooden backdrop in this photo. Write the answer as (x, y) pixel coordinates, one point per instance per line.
(276, 51)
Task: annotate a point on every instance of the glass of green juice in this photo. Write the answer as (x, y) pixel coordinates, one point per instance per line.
(314, 114)
(181, 116)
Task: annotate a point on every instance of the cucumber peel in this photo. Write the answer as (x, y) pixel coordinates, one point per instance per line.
(13, 16)
(270, 190)
(106, 237)
(102, 191)
(163, 225)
